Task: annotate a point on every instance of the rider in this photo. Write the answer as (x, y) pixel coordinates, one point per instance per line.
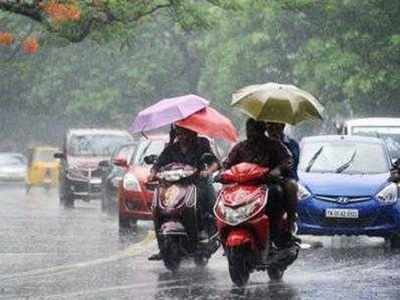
(187, 147)
(276, 131)
(268, 152)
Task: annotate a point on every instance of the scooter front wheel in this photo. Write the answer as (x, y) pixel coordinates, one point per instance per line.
(275, 273)
(170, 252)
(238, 265)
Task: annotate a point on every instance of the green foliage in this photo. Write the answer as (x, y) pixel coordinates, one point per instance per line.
(344, 52)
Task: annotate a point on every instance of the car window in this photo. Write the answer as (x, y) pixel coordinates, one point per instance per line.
(125, 152)
(148, 147)
(95, 144)
(12, 160)
(343, 157)
(390, 135)
(46, 155)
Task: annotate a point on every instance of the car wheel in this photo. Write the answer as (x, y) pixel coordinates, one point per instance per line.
(27, 188)
(126, 224)
(66, 197)
(395, 241)
(47, 187)
(104, 207)
(68, 201)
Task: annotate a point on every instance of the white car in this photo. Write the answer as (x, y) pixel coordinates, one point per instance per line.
(386, 128)
(12, 166)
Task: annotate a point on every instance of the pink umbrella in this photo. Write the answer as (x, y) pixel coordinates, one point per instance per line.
(167, 111)
(211, 123)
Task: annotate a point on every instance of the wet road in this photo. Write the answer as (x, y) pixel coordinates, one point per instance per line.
(47, 252)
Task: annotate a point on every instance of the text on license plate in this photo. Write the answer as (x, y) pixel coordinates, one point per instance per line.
(341, 213)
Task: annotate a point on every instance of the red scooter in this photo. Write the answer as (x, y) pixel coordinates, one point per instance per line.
(244, 227)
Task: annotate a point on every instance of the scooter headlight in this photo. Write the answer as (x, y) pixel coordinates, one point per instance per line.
(131, 183)
(389, 194)
(303, 192)
(237, 215)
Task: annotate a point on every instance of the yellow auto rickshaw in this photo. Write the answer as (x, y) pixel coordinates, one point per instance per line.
(43, 168)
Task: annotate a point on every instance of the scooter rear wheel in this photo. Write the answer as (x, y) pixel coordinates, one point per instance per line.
(238, 266)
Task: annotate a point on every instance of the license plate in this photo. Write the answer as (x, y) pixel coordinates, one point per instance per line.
(95, 180)
(341, 213)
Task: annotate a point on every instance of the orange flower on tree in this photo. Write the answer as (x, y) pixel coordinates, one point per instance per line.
(30, 45)
(59, 12)
(6, 38)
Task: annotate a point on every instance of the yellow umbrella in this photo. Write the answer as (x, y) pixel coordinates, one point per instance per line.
(276, 102)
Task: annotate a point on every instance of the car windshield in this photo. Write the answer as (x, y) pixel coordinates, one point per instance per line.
(46, 155)
(96, 144)
(343, 157)
(125, 152)
(390, 134)
(148, 147)
(12, 160)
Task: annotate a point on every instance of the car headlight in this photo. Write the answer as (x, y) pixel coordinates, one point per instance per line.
(131, 183)
(389, 194)
(303, 192)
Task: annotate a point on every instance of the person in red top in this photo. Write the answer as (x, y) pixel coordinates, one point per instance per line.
(271, 153)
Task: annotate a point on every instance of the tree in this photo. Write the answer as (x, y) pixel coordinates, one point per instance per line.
(76, 19)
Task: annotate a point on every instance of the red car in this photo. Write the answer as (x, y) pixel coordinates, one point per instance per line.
(134, 199)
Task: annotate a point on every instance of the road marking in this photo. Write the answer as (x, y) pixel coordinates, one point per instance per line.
(132, 250)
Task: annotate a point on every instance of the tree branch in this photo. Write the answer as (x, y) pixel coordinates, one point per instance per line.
(29, 10)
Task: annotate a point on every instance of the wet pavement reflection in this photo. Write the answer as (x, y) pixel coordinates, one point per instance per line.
(47, 252)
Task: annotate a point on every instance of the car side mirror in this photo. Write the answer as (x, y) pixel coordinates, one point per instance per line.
(151, 159)
(59, 155)
(120, 162)
(104, 164)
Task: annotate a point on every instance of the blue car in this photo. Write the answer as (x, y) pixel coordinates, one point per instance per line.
(344, 188)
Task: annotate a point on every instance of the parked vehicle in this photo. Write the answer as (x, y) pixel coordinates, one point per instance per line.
(112, 176)
(43, 168)
(386, 128)
(244, 227)
(175, 218)
(83, 149)
(344, 188)
(12, 167)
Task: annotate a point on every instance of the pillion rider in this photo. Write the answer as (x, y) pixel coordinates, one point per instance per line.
(271, 153)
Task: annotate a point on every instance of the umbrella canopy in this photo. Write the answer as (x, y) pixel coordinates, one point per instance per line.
(277, 103)
(211, 123)
(167, 111)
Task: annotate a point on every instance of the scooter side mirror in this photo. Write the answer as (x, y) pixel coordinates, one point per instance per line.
(395, 163)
